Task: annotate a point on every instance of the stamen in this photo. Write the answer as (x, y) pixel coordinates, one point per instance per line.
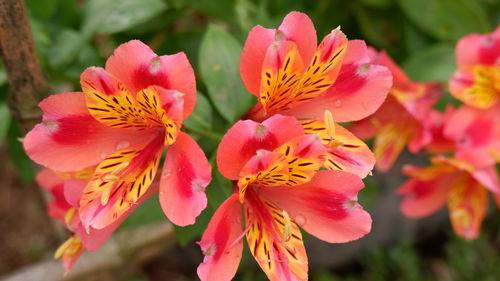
(119, 168)
(110, 177)
(71, 246)
(330, 124)
(105, 194)
(287, 229)
(238, 239)
(69, 215)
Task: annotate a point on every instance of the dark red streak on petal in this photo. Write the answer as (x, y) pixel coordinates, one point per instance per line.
(74, 130)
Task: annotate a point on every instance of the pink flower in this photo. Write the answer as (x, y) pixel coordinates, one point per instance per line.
(290, 74)
(476, 134)
(455, 183)
(402, 118)
(66, 190)
(477, 80)
(275, 169)
(121, 123)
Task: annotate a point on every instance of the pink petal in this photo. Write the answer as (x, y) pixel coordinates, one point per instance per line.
(185, 175)
(326, 207)
(296, 27)
(241, 142)
(359, 90)
(138, 67)
(488, 177)
(478, 49)
(57, 206)
(222, 243)
(94, 238)
(73, 191)
(68, 129)
(423, 197)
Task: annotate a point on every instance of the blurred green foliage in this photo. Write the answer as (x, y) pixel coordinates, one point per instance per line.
(72, 35)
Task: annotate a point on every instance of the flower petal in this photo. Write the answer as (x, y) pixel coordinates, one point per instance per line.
(345, 151)
(326, 207)
(242, 141)
(274, 240)
(118, 183)
(358, 91)
(424, 196)
(296, 27)
(185, 175)
(281, 71)
(138, 67)
(57, 206)
(68, 129)
(467, 204)
(221, 243)
(478, 49)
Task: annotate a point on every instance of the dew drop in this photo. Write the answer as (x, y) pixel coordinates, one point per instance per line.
(122, 145)
(103, 155)
(338, 103)
(365, 105)
(300, 220)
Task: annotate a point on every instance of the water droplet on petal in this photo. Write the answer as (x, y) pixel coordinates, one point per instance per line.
(365, 105)
(103, 155)
(338, 103)
(122, 145)
(300, 220)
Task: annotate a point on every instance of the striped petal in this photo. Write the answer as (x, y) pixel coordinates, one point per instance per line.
(274, 240)
(281, 70)
(118, 182)
(345, 151)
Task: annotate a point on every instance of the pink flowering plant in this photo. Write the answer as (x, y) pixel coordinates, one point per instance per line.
(249, 147)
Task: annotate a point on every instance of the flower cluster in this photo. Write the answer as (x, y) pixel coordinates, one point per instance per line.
(465, 142)
(292, 164)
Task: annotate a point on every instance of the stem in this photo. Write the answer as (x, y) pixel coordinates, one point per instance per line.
(27, 85)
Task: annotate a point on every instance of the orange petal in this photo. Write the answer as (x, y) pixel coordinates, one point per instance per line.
(281, 70)
(467, 204)
(323, 69)
(265, 169)
(345, 151)
(118, 183)
(274, 240)
(305, 155)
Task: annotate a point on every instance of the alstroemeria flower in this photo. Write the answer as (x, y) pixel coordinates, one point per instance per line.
(290, 74)
(477, 80)
(435, 126)
(66, 190)
(476, 134)
(121, 123)
(275, 169)
(401, 118)
(453, 182)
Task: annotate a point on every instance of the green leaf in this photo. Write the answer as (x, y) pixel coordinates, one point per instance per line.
(446, 19)
(24, 166)
(5, 119)
(148, 212)
(219, 66)
(3, 76)
(65, 48)
(111, 16)
(435, 63)
(201, 118)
